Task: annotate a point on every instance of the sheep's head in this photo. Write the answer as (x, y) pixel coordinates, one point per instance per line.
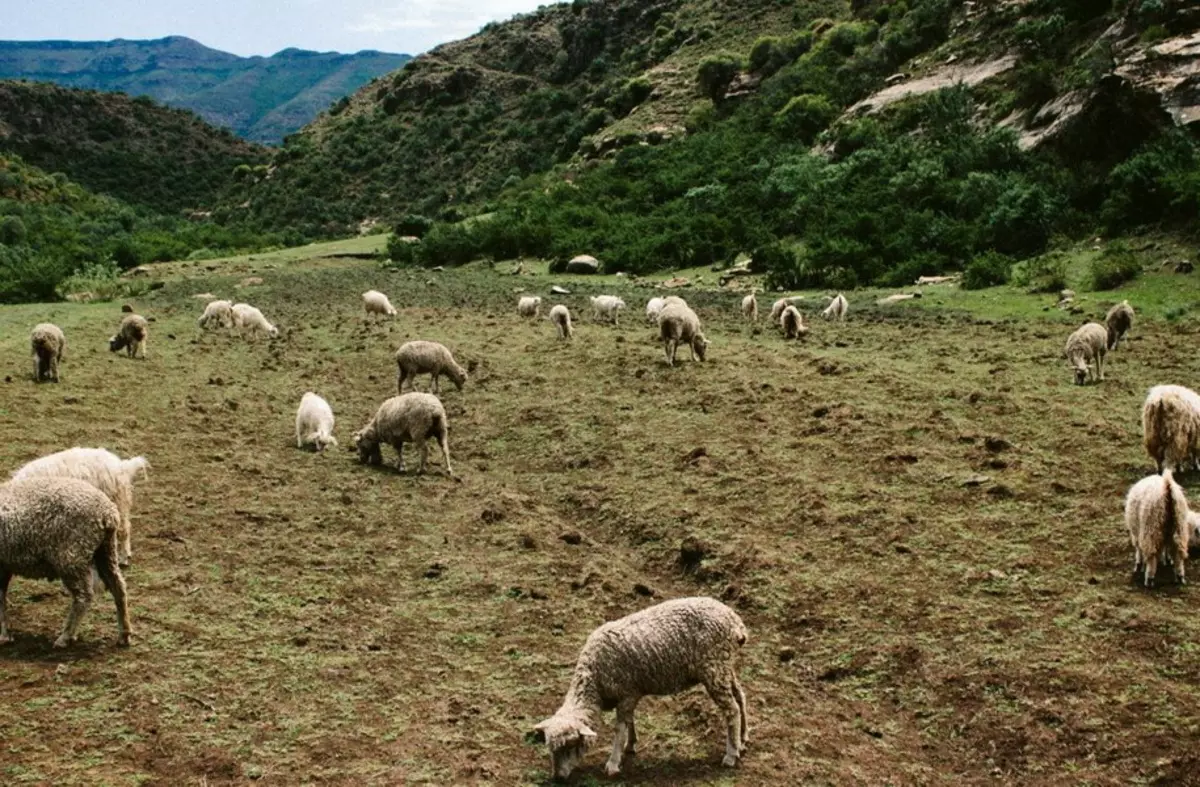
(459, 375)
(366, 442)
(323, 442)
(1081, 370)
(273, 332)
(116, 343)
(700, 345)
(568, 740)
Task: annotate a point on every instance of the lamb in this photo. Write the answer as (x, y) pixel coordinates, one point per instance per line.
(837, 308)
(376, 303)
(750, 308)
(104, 470)
(430, 358)
(662, 650)
(561, 317)
(131, 336)
(1085, 347)
(678, 323)
(1171, 425)
(529, 306)
(1118, 321)
(248, 319)
(606, 305)
(47, 342)
(217, 314)
(777, 309)
(411, 418)
(793, 323)
(653, 307)
(314, 423)
(61, 528)
(1159, 522)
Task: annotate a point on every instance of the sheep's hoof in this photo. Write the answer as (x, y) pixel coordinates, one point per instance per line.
(62, 642)
(123, 639)
(611, 769)
(730, 761)
(6, 640)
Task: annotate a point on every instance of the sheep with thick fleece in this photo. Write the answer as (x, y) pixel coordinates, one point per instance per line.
(314, 423)
(1157, 515)
(61, 528)
(104, 470)
(529, 306)
(750, 308)
(653, 307)
(837, 308)
(678, 323)
(792, 323)
(376, 303)
(1086, 347)
(47, 342)
(249, 320)
(1171, 425)
(411, 418)
(777, 309)
(1118, 321)
(606, 306)
(217, 314)
(421, 357)
(662, 650)
(131, 335)
(561, 317)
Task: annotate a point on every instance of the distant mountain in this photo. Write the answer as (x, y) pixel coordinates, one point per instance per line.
(259, 98)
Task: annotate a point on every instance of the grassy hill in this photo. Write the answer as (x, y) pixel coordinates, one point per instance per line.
(260, 98)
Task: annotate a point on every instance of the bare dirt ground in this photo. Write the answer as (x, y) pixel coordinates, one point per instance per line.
(915, 512)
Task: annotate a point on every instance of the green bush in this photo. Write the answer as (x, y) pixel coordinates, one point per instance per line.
(716, 73)
(103, 281)
(1047, 273)
(26, 277)
(1115, 266)
(1035, 83)
(402, 253)
(1158, 185)
(12, 231)
(987, 270)
(803, 117)
(412, 224)
(701, 116)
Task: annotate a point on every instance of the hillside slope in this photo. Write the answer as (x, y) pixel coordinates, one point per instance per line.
(259, 98)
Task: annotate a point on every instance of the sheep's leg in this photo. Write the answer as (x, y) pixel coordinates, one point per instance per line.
(110, 573)
(622, 738)
(1151, 567)
(433, 384)
(1100, 366)
(37, 369)
(54, 369)
(400, 382)
(444, 442)
(424, 455)
(399, 445)
(1137, 559)
(739, 696)
(80, 588)
(5, 578)
(721, 691)
(125, 539)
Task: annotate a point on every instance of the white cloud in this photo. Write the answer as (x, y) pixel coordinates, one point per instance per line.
(450, 18)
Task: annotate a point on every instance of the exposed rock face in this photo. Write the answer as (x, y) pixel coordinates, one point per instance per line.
(583, 264)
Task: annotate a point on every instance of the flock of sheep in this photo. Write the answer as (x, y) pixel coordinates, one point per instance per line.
(66, 516)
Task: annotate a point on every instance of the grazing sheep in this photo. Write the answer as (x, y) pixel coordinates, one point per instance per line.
(376, 303)
(529, 306)
(607, 306)
(678, 323)
(1118, 321)
(61, 528)
(249, 320)
(421, 357)
(1171, 425)
(662, 650)
(750, 308)
(667, 301)
(131, 335)
(792, 323)
(837, 308)
(653, 307)
(411, 418)
(48, 343)
(314, 423)
(561, 317)
(777, 309)
(1087, 346)
(104, 470)
(217, 314)
(1156, 513)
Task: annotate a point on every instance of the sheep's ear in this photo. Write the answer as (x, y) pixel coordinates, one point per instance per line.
(537, 734)
(587, 734)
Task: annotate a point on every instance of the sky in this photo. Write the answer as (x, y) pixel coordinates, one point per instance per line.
(261, 27)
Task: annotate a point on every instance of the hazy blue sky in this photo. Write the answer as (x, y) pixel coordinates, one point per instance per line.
(261, 27)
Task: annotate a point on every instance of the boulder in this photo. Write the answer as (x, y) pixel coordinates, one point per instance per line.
(584, 264)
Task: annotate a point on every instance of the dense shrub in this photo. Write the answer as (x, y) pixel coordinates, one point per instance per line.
(715, 74)
(987, 270)
(1160, 184)
(26, 276)
(1047, 273)
(1115, 266)
(413, 225)
(804, 117)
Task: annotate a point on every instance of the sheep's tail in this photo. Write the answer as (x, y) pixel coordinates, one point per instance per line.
(1170, 525)
(132, 469)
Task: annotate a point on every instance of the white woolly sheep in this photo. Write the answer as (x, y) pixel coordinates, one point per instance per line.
(792, 323)
(561, 317)
(217, 314)
(1157, 515)
(61, 528)
(678, 323)
(662, 650)
(653, 307)
(1117, 322)
(131, 336)
(1087, 346)
(249, 320)
(421, 357)
(529, 306)
(47, 342)
(606, 306)
(750, 308)
(777, 309)
(1171, 425)
(376, 303)
(411, 418)
(104, 470)
(837, 308)
(314, 423)
(667, 301)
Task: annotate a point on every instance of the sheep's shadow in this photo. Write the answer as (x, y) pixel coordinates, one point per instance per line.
(38, 648)
(640, 769)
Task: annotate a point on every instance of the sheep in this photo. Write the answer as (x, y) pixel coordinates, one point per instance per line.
(1118, 321)
(411, 418)
(529, 306)
(1171, 425)
(792, 323)
(248, 319)
(131, 335)
(1159, 522)
(678, 323)
(376, 303)
(606, 305)
(104, 470)
(430, 358)
(61, 528)
(667, 301)
(653, 307)
(750, 308)
(837, 308)
(561, 317)
(217, 314)
(1087, 346)
(662, 650)
(314, 423)
(47, 342)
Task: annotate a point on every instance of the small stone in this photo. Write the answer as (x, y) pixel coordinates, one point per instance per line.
(976, 480)
(346, 499)
(996, 573)
(71, 400)
(643, 590)
(996, 444)
(434, 571)
(573, 538)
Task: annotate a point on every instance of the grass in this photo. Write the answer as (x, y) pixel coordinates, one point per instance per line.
(300, 618)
